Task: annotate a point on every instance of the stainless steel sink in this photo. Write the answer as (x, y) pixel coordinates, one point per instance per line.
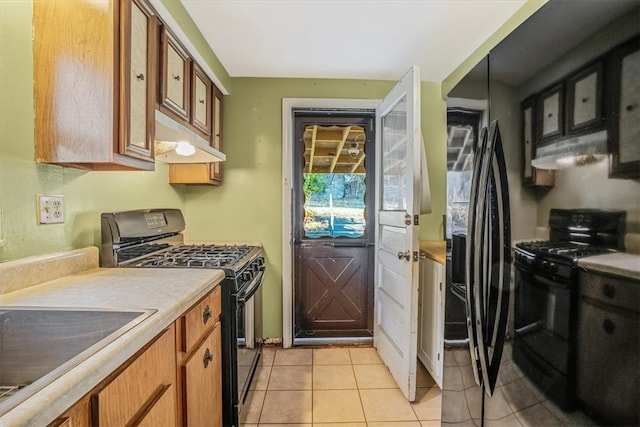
(39, 344)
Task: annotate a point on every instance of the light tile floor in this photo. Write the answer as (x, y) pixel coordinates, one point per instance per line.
(337, 386)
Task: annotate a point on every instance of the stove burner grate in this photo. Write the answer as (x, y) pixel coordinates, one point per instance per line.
(196, 256)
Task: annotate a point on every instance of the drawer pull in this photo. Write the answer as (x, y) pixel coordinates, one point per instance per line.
(140, 77)
(629, 108)
(208, 357)
(608, 326)
(585, 99)
(201, 101)
(176, 77)
(206, 314)
(608, 291)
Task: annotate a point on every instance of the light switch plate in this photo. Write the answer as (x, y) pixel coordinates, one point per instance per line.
(50, 209)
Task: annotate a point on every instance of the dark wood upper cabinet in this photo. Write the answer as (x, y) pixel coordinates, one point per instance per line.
(624, 105)
(549, 114)
(584, 100)
(531, 177)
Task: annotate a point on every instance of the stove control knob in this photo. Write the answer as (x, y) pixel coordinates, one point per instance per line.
(553, 268)
(546, 265)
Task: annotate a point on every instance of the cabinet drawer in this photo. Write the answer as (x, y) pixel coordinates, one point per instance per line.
(202, 384)
(136, 390)
(200, 319)
(610, 290)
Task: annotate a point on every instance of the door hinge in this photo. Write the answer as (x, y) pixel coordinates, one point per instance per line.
(407, 219)
(416, 220)
(415, 256)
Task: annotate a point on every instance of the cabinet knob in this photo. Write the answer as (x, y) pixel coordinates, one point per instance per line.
(206, 314)
(201, 101)
(208, 357)
(176, 77)
(629, 107)
(608, 326)
(140, 77)
(585, 99)
(550, 115)
(526, 141)
(608, 291)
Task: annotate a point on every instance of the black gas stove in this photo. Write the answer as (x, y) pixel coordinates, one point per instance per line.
(546, 296)
(574, 234)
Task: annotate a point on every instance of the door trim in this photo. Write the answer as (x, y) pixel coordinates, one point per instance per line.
(288, 105)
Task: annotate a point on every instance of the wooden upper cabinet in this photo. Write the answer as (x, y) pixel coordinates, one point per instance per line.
(550, 109)
(204, 173)
(216, 138)
(175, 69)
(531, 177)
(88, 112)
(584, 100)
(201, 102)
(138, 71)
(624, 107)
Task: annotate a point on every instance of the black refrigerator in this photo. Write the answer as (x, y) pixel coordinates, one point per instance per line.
(482, 383)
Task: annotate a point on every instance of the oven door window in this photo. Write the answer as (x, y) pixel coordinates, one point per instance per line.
(542, 320)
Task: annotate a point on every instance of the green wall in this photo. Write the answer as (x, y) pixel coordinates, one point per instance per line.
(248, 207)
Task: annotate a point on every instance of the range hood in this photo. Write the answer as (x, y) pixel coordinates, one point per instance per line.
(177, 144)
(572, 151)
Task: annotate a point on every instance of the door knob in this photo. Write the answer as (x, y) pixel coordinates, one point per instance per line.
(405, 255)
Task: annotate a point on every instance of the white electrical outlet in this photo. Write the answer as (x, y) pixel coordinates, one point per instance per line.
(50, 209)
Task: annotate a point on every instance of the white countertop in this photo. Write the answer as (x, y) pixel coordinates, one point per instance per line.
(619, 263)
(169, 291)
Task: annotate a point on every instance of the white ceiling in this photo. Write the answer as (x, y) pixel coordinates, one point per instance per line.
(346, 39)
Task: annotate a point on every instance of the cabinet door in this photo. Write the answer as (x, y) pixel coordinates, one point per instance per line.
(176, 66)
(201, 104)
(625, 107)
(216, 137)
(530, 175)
(202, 384)
(584, 99)
(138, 74)
(146, 382)
(431, 318)
(549, 114)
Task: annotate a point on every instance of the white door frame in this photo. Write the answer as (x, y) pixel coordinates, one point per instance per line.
(288, 105)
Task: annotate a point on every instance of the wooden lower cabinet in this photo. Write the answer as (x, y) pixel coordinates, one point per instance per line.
(144, 393)
(199, 355)
(202, 382)
(175, 380)
(76, 416)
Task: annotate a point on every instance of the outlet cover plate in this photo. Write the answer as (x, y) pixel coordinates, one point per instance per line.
(50, 209)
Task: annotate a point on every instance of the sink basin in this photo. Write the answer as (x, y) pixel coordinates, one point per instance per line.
(39, 344)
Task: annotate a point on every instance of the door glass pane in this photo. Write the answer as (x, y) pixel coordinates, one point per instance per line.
(334, 182)
(394, 157)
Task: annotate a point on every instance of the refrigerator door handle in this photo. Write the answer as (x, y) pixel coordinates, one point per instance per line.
(472, 256)
(492, 302)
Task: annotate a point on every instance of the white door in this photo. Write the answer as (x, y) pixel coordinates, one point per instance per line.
(399, 145)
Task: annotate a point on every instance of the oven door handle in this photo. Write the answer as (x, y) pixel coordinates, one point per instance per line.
(248, 291)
